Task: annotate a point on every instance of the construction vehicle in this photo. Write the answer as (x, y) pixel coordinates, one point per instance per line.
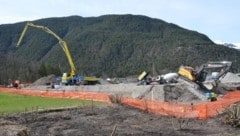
(68, 79)
(208, 75)
(144, 79)
(15, 84)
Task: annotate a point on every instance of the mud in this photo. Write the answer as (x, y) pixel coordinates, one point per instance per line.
(101, 120)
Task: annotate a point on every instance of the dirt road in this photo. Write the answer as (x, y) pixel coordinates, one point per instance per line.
(101, 121)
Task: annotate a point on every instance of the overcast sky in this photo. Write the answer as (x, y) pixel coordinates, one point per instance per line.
(218, 19)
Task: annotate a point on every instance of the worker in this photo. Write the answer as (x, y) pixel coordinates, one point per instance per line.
(211, 96)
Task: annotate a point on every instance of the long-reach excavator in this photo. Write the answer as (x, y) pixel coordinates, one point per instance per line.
(71, 77)
(208, 75)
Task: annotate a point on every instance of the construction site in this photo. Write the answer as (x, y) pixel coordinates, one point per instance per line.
(190, 101)
(132, 109)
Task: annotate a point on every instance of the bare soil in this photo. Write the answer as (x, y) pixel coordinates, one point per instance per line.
(101, 120)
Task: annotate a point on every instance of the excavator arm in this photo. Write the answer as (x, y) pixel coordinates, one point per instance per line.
(62, 43)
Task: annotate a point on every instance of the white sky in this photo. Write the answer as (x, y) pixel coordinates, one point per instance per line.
(218, 19)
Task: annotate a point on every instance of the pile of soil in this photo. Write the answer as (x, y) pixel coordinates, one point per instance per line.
(229, 82)
(103, 119)
(47, 80)
(179, 94)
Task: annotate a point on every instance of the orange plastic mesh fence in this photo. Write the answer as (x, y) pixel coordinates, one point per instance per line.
(163, 108)
(201, 111)
(61, 94)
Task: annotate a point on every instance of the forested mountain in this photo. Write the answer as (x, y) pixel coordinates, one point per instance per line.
(110, 45)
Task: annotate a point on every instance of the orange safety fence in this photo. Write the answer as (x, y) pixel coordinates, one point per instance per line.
(163, 108)
(201, 111)
(61, 94)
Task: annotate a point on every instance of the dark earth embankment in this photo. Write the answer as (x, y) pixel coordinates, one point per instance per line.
(101, 121)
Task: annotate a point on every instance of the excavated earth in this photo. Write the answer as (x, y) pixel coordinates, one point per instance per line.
(181, 92)
(109, 120)
(126, 87)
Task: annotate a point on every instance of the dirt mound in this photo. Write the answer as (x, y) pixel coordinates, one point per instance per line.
(45, 80)
(179, 93)
(230, 78)
(230, 81)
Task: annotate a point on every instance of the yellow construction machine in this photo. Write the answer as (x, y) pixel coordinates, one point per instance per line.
(207, 76)
(72, 77)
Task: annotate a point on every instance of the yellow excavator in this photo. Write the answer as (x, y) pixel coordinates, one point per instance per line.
(207, 76)
(70, 78)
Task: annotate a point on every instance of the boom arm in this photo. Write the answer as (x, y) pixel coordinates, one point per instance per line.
(62, 43)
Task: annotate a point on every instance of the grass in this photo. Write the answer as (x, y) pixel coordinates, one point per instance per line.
(13, 103)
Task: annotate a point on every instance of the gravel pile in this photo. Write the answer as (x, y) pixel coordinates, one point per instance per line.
(45, 80)
(179, 93)
(230, 78)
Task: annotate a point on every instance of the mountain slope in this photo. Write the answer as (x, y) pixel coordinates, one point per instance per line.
(113, 45)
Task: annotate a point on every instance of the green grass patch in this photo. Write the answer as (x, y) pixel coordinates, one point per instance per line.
(14, 103)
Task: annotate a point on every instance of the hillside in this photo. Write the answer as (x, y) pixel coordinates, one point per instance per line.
(110, 45)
